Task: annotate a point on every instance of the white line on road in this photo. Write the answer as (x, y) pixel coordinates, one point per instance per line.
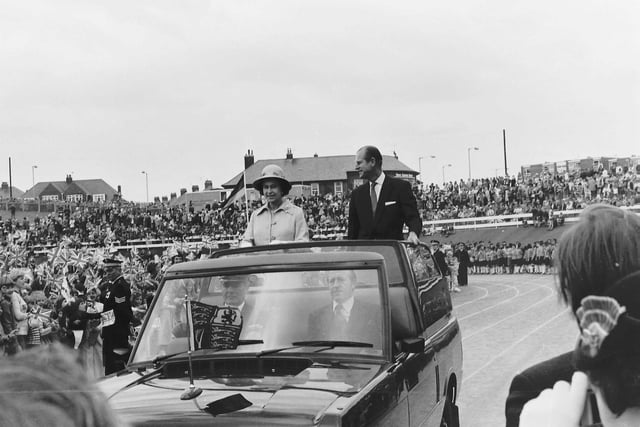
(503, 352)
(508, 317)
(518, 294)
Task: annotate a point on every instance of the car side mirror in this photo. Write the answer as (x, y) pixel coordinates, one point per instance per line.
(412, 345)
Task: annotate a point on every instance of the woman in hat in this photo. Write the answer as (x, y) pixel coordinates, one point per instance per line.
(278, 220)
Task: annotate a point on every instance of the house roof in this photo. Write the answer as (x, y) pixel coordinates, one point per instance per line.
(197, 197)
(4, 192)
(308, 169)
(89, 186)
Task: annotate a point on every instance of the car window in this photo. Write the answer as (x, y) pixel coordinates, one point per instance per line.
(279, 308)
(395, 276)
(422, 263)
(433, 294)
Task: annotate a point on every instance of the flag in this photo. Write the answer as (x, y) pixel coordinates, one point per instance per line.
(78, 259)
(236, 189)
(213, 327)
(17, 256)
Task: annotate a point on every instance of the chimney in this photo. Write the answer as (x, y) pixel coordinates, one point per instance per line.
(289, 154)
(165, 199)
(173, 196)
(182, 191)
(5, 186)
(315, 155)
(69, 179)
(248, 159)
(119, 190)
(195, 188)
(208, 185)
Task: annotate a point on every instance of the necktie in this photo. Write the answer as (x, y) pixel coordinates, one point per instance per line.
(340, 318)
(374, 198)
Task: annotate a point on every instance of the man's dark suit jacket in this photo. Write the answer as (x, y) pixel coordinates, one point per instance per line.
(529, 383)
(364, 323)
(438, 256)
(396, 206)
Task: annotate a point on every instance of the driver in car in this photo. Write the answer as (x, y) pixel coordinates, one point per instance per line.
(345, 318)
(234, 294)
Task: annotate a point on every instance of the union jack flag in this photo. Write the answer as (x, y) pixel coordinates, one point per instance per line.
(78, 259)
(18, 255)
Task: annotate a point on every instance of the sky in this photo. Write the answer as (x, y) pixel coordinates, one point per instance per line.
(181, 90)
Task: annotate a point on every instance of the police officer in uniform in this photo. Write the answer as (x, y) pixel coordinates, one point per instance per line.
(117, 316)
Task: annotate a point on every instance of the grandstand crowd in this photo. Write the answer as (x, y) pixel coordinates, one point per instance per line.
(327, 215)
(74, 240)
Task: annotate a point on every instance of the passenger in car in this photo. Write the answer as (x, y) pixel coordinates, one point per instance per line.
(278, 220)
(234, 294)
(345, 318)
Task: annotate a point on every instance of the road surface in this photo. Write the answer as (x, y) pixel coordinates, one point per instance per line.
(508, 322)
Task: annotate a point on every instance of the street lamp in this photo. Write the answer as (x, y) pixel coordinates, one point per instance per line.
(33, 175)
(444, 166)
(146, 180)
(420, 165)
(469, 158)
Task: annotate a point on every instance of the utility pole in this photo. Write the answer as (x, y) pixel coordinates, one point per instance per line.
(10, 183)
(146, 181)
(504, 145)
(469, 159)
(12, 208)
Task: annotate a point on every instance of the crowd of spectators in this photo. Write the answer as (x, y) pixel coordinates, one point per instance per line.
(103, 225)
(544, 192)
(327, 216)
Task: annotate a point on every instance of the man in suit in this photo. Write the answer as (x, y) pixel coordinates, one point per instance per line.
(439, 258)
(346, 319)
(234, 291)
(380, 207)
(234, 294)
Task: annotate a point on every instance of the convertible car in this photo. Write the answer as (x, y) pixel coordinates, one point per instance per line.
(353, 333)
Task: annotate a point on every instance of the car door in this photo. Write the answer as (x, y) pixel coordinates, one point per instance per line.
(423, 376)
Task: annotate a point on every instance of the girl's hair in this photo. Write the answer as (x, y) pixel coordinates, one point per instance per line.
(600, 249)
(60, 395)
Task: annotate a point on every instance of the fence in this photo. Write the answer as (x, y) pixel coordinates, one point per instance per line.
(516, 220)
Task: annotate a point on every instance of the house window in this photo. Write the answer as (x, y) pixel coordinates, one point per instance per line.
(51, 198)
(99, 198)
(74, 198)
(315, 189)
(337, 188)
(357, 182)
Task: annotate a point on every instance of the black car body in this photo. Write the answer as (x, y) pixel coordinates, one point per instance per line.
(405, 373)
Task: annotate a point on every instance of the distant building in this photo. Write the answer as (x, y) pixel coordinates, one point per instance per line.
(197, 199)
(69, 190)
(585, 165)
(317, 175)
(6, 194)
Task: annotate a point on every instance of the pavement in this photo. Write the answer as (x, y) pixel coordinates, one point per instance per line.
(508, 323)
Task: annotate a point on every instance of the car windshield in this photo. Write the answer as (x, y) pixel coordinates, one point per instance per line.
(395, 275)
(280, 312)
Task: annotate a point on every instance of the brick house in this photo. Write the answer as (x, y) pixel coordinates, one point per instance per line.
(69, 190)
(316, 175)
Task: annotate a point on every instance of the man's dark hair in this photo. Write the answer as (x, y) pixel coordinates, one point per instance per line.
(371, 152)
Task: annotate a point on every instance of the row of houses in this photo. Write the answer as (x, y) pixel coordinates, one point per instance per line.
(309, 176)
(588, 164)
